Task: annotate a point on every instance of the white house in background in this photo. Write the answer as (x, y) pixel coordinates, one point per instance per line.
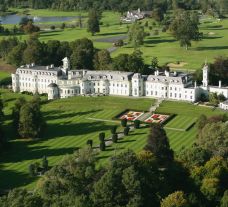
(61, 82)
(133, 16)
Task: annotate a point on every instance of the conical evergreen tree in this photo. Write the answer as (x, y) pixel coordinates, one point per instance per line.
(158, 143)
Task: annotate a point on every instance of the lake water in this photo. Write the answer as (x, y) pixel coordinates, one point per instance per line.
(15, 19)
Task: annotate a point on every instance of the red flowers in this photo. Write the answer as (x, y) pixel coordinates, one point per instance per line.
(157, 118)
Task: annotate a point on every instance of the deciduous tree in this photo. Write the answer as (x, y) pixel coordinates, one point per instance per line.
(184, 28)
(136, 35)
(176, 199)
(102, 60)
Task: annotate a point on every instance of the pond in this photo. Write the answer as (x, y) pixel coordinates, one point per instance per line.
(15, 19)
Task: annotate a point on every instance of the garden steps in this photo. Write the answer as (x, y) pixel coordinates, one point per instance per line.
(156, 105)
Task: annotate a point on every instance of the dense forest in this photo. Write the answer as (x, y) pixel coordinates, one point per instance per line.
(220, 6)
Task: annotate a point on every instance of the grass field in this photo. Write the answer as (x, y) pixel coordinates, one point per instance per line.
(47, 13)
(168, 50)
(68, 129)
(186, 115)
(181, 122)
(70, 126)
(3, 75)
(163, 46)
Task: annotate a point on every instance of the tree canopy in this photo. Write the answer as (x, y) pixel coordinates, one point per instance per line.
(184, 28)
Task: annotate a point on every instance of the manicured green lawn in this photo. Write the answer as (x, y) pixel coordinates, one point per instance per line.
(184, 111)
(181, 122)
(179, 140)
(168, 50)
(47, 13)
(69, 126)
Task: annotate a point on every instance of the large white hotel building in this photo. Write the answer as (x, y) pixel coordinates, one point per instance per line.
(61, 82)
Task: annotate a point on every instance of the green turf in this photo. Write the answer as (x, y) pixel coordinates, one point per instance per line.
(4, 75)
(178, 140)
(168, 50)
(69, 127)
(185, 111)
(46, 12)
(181, 122)
(163, 46)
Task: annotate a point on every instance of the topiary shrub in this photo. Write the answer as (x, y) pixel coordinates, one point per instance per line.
(124, 122)
(114, 138)
(136, 124)
(102, 146)
(90, 142)
(113, 129)
(52, 27)
(126, 131)
(102, 136)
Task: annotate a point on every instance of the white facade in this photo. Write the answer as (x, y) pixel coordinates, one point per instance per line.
(224, 105)
(133, 16)
(62, 82)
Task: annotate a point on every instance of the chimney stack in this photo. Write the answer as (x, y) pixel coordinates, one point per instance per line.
(220, 84)
(166, 73)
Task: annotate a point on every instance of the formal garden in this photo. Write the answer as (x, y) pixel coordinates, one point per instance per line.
(72, 124)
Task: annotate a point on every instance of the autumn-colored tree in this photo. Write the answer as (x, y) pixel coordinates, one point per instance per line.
(176, 199)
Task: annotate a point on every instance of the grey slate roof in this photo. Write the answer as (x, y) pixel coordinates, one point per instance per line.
(103, 75)
(52, 85)
(42, 68)
(180, 78)
(225, 102)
